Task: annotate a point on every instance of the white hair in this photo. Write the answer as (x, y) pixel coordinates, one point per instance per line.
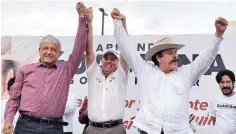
(51, 39)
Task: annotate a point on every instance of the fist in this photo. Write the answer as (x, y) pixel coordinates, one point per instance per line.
(121, 17)
(221, 25)
(79, 8)
(8, 128)
(115, 13)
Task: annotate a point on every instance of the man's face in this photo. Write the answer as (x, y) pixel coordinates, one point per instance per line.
(49, 53)
(109, 63)
(168, 60)
(226, 85)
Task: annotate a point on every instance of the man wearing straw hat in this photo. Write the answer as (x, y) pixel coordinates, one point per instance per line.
(164, 102)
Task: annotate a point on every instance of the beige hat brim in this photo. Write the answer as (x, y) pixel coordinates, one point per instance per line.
(156, 49)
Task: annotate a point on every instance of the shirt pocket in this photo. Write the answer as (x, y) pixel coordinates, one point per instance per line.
(154, 83)
(33, 80)
(154, 88)
(178, 86)
(111, 87)
(177, 93)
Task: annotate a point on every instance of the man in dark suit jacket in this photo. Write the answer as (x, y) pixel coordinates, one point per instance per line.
(83, 114)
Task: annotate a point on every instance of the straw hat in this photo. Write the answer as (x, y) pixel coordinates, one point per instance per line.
(163, 44)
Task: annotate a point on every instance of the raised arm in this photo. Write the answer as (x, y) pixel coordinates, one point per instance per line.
(90, 54)
(127, 49)
(14, 101)
(80, 42)
(202, 63)
(122, 61)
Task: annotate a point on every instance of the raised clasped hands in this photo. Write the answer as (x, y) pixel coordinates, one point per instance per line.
(83, 11)
(116, 14)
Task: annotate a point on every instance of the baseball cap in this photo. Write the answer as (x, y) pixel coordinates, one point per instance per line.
(116, 53)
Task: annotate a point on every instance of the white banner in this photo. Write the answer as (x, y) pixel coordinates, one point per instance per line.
(205, 90)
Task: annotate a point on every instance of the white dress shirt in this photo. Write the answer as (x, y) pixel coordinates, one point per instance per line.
(3, 105)
(71, 106)
(224, 109)
(106, 96)
(164, 97)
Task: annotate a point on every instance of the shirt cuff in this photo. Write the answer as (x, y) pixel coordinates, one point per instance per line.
(117, 22)
(83, 19)
(8, 120)
(83, 22)
(217, 40)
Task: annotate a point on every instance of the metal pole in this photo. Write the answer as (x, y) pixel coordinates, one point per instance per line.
(103, 14)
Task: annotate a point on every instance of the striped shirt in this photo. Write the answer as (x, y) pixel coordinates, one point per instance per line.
(42, 92)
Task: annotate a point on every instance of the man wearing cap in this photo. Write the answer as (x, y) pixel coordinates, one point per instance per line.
(223, 108)
(40, 90)
(106, 90)
(165, 87)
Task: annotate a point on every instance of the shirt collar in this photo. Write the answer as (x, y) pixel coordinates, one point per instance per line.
(165, 73)
(40, 64)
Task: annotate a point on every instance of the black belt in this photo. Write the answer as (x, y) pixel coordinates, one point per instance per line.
(54, 121)
(107, 124)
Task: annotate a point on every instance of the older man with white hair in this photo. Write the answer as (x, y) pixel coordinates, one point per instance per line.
(166, 88)
(40, 90)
